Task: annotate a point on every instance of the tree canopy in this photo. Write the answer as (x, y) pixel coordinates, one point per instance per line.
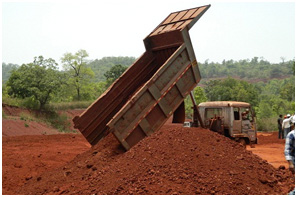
(6, 71)
(114, 73)
(38, 80)
(101, 66)
(231, 90)
(79, 74)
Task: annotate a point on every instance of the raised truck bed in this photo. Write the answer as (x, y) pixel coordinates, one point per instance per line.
(140, 101)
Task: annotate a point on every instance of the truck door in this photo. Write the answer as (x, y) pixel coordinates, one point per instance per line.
(236, 121)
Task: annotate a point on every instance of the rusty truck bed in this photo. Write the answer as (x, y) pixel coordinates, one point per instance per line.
(141, 100)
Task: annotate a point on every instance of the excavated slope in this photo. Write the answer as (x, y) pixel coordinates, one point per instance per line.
(174, 160)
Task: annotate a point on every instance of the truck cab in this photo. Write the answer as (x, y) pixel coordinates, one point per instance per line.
(231, 118)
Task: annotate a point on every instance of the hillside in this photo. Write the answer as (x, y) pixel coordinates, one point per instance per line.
(248, 70)
(254, 70)
(100, 66)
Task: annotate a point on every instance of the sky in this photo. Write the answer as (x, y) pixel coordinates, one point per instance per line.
(228, 30)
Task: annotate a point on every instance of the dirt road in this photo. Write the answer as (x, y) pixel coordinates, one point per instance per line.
(270, 148)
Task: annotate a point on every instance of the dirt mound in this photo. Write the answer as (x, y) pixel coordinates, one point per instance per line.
(174, 160)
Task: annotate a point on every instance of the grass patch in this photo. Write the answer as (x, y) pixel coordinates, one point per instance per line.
(59, 121)
(70, 105)
(49, 115)
(26, 116)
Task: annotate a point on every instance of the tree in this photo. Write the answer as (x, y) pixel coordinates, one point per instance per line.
(6, 71)
(38, 80)
(114, 73)
(231, 90)
(79, 74)
(199, 96)
(101, 66)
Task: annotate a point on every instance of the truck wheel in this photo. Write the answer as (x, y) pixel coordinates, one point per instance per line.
(242, 142)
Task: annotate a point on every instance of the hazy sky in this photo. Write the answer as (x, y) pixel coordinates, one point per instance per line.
(228, 30)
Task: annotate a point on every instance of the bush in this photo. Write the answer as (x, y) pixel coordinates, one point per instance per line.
(12, 101)
(28, 103)
(267, 124)
(59, 121)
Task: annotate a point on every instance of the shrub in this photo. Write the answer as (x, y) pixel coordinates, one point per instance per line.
(25, 116)
(267, 124)
(58, 121)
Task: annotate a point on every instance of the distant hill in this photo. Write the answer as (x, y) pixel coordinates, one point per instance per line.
(254, 70)
(102, 65)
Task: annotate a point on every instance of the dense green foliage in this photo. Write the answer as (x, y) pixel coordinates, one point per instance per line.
(114, 73)
(36, 81)
(101, 66)
(268, 99)
(79, 76)
(270, 88)
(231, 90)
(247, 69)
(6, 71)
(199, 95)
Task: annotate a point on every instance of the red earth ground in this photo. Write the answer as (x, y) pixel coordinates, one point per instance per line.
(66, 164)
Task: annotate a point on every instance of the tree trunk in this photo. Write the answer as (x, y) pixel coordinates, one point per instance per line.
(78, 94)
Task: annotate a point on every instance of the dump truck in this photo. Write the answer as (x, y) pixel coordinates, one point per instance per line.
(152, 89)
(233, 119)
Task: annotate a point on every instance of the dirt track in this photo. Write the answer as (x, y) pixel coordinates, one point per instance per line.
(270, 148)
(174, 160)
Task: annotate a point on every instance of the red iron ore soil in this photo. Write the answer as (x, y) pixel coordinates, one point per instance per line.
(25, 157)
(270, 148)
(17, 127)
(174, 160)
